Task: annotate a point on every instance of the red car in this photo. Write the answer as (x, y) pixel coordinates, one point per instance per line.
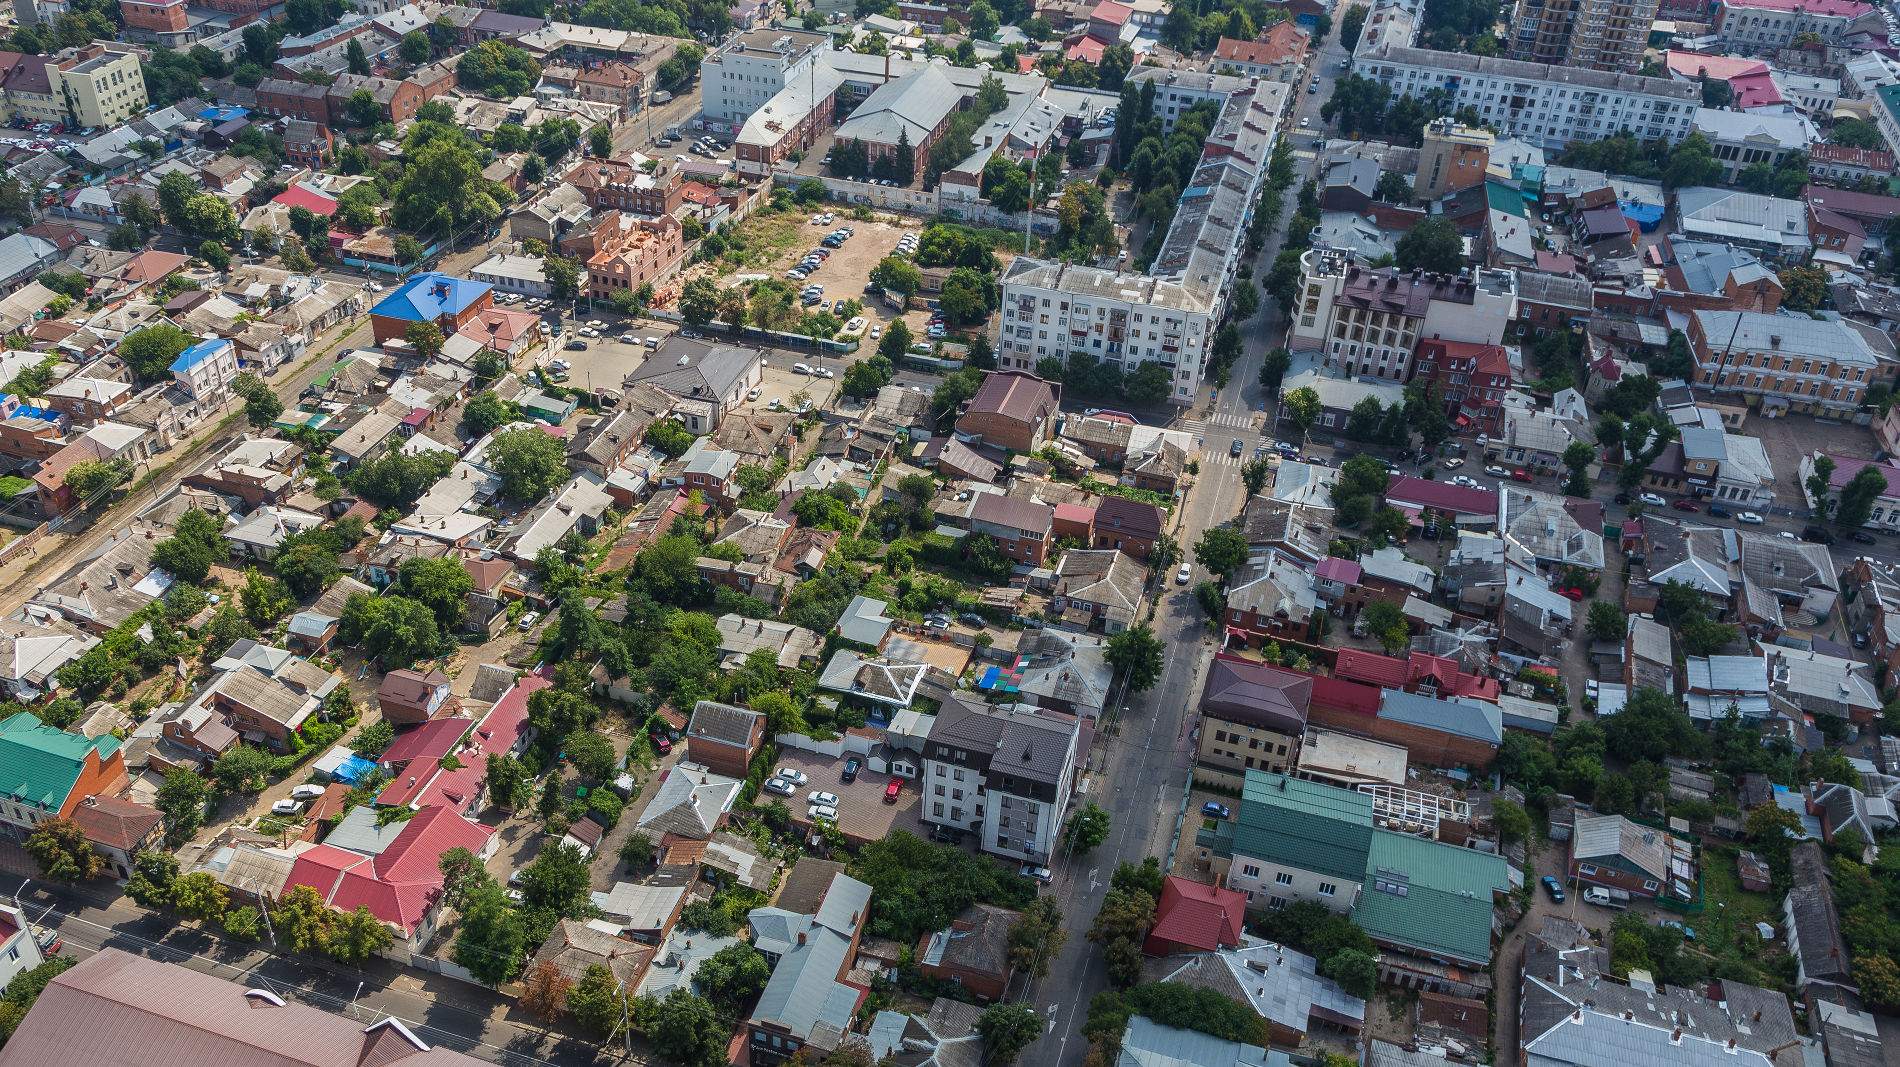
(1520, 476)
(661, 744)
(1684, 505)
(1573, 593)
(895, 787)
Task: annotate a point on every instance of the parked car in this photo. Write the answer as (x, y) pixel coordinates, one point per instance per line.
(286, 806)
(1861, 537)
(824, 812)
(1684, 505)
(819, 796)
(780, 786)
(1554, 888)
(306, 792)
(1688, 933)
(1182, 576)
(1750, 518)
(851, 768)
(892, 789)
(1653, 500)
(49, 941)
(1452, 464)
(577, 345)
(660, 743)
(1040, 874)
(1216, 809)
(1717, 511)
(527, 621)
(1816, 535)
(1496, 471)
(1520, 476)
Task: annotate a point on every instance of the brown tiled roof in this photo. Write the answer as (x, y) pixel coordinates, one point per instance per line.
(1012, 512)
(116, 823)
(1135, 517)
(409, 687)
(1014, 395)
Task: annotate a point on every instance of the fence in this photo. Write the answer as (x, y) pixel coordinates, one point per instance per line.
(24, 541)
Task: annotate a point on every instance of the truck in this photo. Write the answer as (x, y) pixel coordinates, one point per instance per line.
(673, 130)
(1606, 897)
(661, 96)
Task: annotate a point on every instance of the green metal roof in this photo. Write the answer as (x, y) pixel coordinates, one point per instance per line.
(1445, 907)
(1295, 823)
(40, 764)
(1506, 199)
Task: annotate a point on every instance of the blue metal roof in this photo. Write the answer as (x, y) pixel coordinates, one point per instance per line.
(428, 297)
(198, 353)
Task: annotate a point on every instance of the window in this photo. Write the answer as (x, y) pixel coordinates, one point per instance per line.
(1250, 871)
(1283, 878)
(1588, 870)
(1649, 886)
(1002, 841)
(1327, 889)
(1276, 903)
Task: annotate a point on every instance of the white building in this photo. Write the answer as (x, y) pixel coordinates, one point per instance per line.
(1742, 138)
(1811, 94)
(206, 370)
(1178, 90)
(1004, 773)
(1368, 321)
(1759, 27)
(1170, 314)
(512, 274)
(1548, 106)
(739, 76)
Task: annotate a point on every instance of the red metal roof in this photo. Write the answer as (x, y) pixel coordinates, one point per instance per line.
(1441, 496)
(298, 196)
(1355, 665)
(1204, 916)
(431, 740)
(1339, 694)
(1450, 680)
(400, 885)
(1334, 569)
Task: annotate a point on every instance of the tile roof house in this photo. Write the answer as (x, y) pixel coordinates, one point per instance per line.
(1813, 926)
(1126, 525)
(31, 656)
(1022, 528)
(1255, 717)
(1194, 917)
(724, 737)
(1104, 583)
(118, 830)
(573, 947)
(408, 696)
(397, 879)
(1013, 410)
(973, 951)
(115, 1002)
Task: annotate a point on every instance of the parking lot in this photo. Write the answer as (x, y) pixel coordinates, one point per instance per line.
(862, 813)
(606, 362)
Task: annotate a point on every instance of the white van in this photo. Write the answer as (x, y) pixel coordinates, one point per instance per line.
(653, 342)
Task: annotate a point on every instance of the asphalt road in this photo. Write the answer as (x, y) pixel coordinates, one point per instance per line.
(1141, 764)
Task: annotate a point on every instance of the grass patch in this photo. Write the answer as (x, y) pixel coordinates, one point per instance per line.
(761, 238)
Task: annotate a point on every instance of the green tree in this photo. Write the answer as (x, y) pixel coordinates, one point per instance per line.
(1119, 928)
(486, 412)
(1355, 972)
(394, 629)
(895, 344)
(242, 769)
(151, 351)
(441, 585)
(199, 896)
(1433, 245)
(301, 918)
(1386, 623)
(1087, 828)
(427, 338)
(152, 876)
(686, 1030)
(182, 797)
(1606, 621)
(1301, 407)
(194, 546)
(493, 938)
(1007, 1029)
(529, 461)
(507, 781)
(1578, 457)
(598, 1002)
(1818, 486)
(60, 847)
(1037, 937)
(1511, 821)
(731, 976)
(1652, 726)
(355, 936)
(1221, 550)
(415, 48)
(1804, 287)
(1858, 497)
(1136, 654)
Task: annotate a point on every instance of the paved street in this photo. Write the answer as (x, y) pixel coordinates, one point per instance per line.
(1141, 763)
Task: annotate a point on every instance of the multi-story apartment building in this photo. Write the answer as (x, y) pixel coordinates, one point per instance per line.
(1740, 139)
(1607, 35)
(97, 84)
(1276, 55)
(1782, 363)
(738, 77)
(1757, 27)
(1170, 314)
(1550, 106)
(1473, 379)
(1002, 773)
(1451, 157)
(616, 184)
(1178, 90)
(632, 252)
(1368, 320)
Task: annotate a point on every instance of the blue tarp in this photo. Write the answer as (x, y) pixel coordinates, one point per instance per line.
(353, 770)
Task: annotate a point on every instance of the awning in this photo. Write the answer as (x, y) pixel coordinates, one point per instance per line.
(1414, 515)
(1462, 421)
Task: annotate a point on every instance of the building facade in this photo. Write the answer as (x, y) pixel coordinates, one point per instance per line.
(738, 77)
(1607, 35)
(1003, 774)
(1781, 363)
(1367, 321)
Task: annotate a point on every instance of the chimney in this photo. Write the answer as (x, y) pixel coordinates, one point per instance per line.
(801, 933)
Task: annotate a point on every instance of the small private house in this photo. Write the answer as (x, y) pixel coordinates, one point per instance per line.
(724, 737)
(54, 772)
(973, 951)
(408, 697)
(396, 875)
(445, 300)
(1609, 850)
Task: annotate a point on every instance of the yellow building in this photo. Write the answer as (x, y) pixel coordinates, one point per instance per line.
(98, 84)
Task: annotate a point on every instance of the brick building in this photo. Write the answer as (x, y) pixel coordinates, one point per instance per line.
(724, 737)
